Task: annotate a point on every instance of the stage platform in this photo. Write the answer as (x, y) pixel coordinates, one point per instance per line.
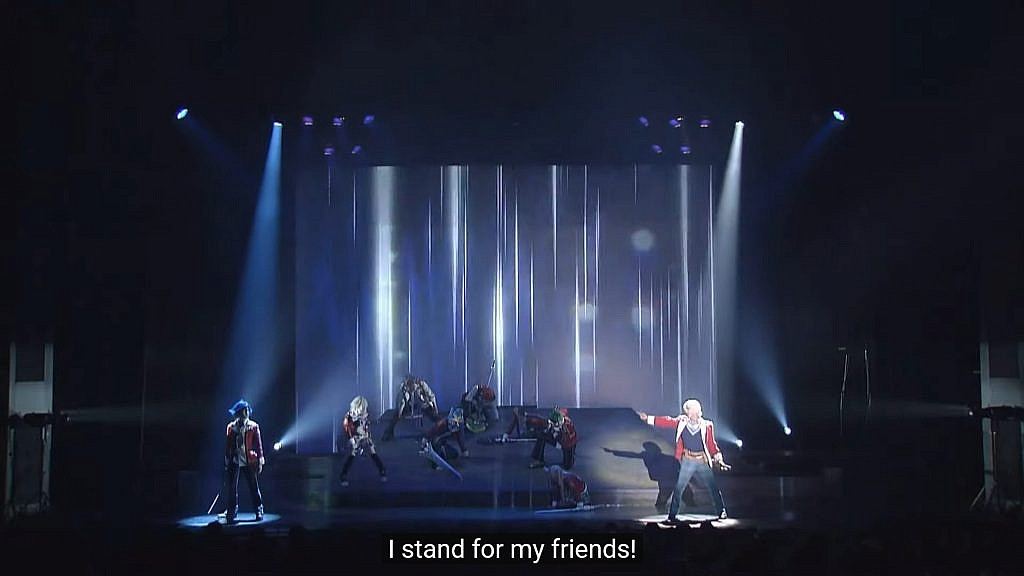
(624, 462)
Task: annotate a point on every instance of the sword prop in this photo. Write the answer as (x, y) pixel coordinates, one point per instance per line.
(587, 508)
(428, 452)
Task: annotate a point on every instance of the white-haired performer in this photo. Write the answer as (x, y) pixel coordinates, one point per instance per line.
(357, 428)
(696, 450)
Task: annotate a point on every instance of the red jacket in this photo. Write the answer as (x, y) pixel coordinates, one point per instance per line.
(253, 443)
(707, 433)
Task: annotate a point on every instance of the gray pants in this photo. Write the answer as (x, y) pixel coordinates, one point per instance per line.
(689, 468)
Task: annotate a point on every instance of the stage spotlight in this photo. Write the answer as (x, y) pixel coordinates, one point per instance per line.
(307, 120)
(278, 124)
(643, 121)
(277, 446)
(740, 124)
(739, 443)
(655, 148)
(685, 149)
(788, 430)
(676, 122)
(338, 120)
(329, 151)
(368, 119)
(705, 123)
(357, 149)
(839, 115)
(182, 113)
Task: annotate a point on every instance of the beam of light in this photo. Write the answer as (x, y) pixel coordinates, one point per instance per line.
(554, 223)
(683, 309)
(454, 206)
(464, 192)
(576, 330)
(634, 184)
(711, 259)
(760, 365)
(430, 237)
(408, 327)
(531, 296)
(597, 281)
(253, 348)
(182, 113)
(320, 409)
(517, 270)
(724, 262)
(586, 260)
(640, 317)
(661, 338)
(536, 382)
(498, 337)
(652, 320)
(383, 191)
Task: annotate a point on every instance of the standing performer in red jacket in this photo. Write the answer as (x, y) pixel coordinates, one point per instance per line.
(696, 450)
(243, 452)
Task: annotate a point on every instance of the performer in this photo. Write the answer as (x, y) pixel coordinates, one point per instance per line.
(480, 408)
(557, 430)
(415, 393)
(357, 427)
(444, 431)
(696, 450)
(243, 452)
(568, 490)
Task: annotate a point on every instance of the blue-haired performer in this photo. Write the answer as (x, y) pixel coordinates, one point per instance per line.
(696, 451)
(357, 427)
(243, 454)
(445, 430)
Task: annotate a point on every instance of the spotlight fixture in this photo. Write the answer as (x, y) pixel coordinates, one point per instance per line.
(277, 446)
(182, 113)
(643, 121)
(740, 123)
(839, 115)
(368, 119)
(705, 122)
(655, 148)
(685, 149)
(329, 151)
(739, 443)
(357, 149)
(788, 430)
(338, 120)
(307, 120)
(676, 122)
(278, 124)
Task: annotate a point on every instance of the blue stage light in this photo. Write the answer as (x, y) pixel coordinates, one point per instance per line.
(182, 113)
(338, 120)
(357, 149)
(788, 430)
(839, 115)
(705, 122)
(655, 148)
(739, 443)
(278, 124)
(307, 120)
(277, 446)
(643, 121)
(685, 149)
(368, 119)
(676, 122)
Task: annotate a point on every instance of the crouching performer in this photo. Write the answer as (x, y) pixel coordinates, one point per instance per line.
(555, 430)
(568, 490)
(414, 395)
